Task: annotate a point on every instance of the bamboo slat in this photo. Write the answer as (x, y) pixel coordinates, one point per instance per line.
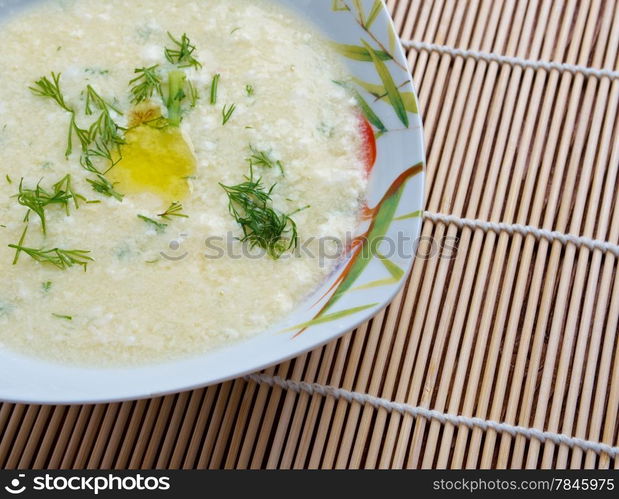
(506, 327)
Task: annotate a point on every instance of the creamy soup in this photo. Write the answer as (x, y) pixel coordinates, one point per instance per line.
(163, 164)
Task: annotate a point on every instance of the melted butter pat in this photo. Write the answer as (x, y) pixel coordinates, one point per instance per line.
(155, 160)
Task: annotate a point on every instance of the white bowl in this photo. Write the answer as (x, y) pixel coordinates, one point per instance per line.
(364, 284)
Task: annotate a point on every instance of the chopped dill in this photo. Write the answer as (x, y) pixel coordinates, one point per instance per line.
(94, 99)
(175, 210)
(214, 87)
(194, 95)
(50, 89)
(99, 140)
(103, 186)
(227, 113)
(82, 135)
(44, 87)
(264, 159)
(176, 95)
(250, 205)
(59, 258)
(158, 226)
(21, 241)
(159, 123)
(8, 179)
(47, 286)
(183, 54)
(104, 133)
(249, 90)
(146, 84)
(64, 317)
(101, 137)
(38, 199)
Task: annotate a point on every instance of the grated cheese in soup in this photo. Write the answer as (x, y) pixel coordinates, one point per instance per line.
(161, 287)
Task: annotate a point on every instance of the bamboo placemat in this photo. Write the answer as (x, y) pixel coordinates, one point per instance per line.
(506, 319)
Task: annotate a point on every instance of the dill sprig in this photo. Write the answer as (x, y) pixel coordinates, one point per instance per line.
(175, 210)
(100, 140)
(94, 99)
(44, 87)
(50, 89)
(39, 198)
(159, 123)
(264, 159)
(83, 135)
(59, 258)
(227, 113)
(103, 186)
(146, 84)
(250, 205)
(158, 226)
(149, 80)
(184, 54)
(214, 88)
(104, 134)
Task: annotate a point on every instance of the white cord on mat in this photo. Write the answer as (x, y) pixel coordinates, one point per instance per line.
(525, 230)
(514, 61)
(441, 417)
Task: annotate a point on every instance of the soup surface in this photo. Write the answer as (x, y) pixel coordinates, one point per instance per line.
(166, 211)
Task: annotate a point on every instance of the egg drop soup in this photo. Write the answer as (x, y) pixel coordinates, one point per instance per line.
(162, 164)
